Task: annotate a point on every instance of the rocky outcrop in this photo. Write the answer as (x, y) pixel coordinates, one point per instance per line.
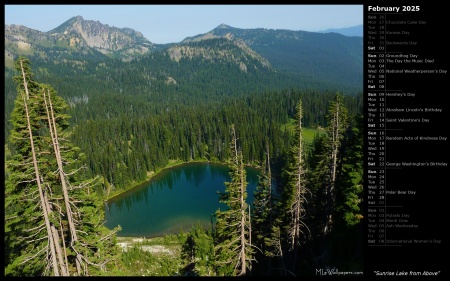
(80, 35)
(102, 36)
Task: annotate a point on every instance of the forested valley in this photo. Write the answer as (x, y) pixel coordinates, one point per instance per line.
(65, 158)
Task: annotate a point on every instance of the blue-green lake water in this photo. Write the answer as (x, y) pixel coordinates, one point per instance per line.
(177, 198)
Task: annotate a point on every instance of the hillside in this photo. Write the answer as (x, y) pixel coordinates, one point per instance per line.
(88, 62)
(329, 57)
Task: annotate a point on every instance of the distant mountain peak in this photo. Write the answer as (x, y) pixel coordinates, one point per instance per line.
(224, 26)
(347, 31)
(103, 37)
(222, 30)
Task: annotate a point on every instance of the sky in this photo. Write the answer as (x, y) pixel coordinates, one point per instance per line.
(162, 24)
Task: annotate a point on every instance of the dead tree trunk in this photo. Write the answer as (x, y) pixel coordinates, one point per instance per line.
(243, 222)
(54, 137)
(38, 181)
(335, 139)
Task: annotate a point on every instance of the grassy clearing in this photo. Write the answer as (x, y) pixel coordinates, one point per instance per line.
(307, 133)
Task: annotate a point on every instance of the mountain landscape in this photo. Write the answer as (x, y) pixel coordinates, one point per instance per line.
(80, 35)
(296, 52)
(256, 59)
(300, 52)
(94, 112)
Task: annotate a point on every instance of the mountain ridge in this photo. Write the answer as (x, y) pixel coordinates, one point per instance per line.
(356, 30)
(226, 62)
(77, 34)
(299, 51)
(89, 48)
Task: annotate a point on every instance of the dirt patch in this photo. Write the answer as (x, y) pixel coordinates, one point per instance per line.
(155, 249)
(23, 45)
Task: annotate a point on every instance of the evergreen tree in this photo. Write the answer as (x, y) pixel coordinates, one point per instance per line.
(233, 249)
(198, 251)
(274, 249)
(337, 125)
(295, 191)
(318, 177)
(30, 229)
(53, 221)
(262, 214)
(324, 178)
(349, 196)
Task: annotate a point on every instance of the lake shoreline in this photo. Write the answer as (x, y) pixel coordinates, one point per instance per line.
(199, 175)
(152, 174)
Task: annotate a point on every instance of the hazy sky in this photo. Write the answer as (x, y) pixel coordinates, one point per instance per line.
(172, 23)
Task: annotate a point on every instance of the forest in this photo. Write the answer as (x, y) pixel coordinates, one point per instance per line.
(65, 157)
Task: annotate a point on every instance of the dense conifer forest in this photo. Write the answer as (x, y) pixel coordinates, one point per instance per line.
(74, 139)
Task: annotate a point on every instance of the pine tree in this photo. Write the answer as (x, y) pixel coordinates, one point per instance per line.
(262, 213)
(323, 179)
(318, 178)
(52, 198)
(349, 196)
(233, 249)
(294, 193)
(30, 229)
(198, 251)
(337, 125)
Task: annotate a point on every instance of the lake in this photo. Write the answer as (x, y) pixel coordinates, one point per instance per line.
(176, 198)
